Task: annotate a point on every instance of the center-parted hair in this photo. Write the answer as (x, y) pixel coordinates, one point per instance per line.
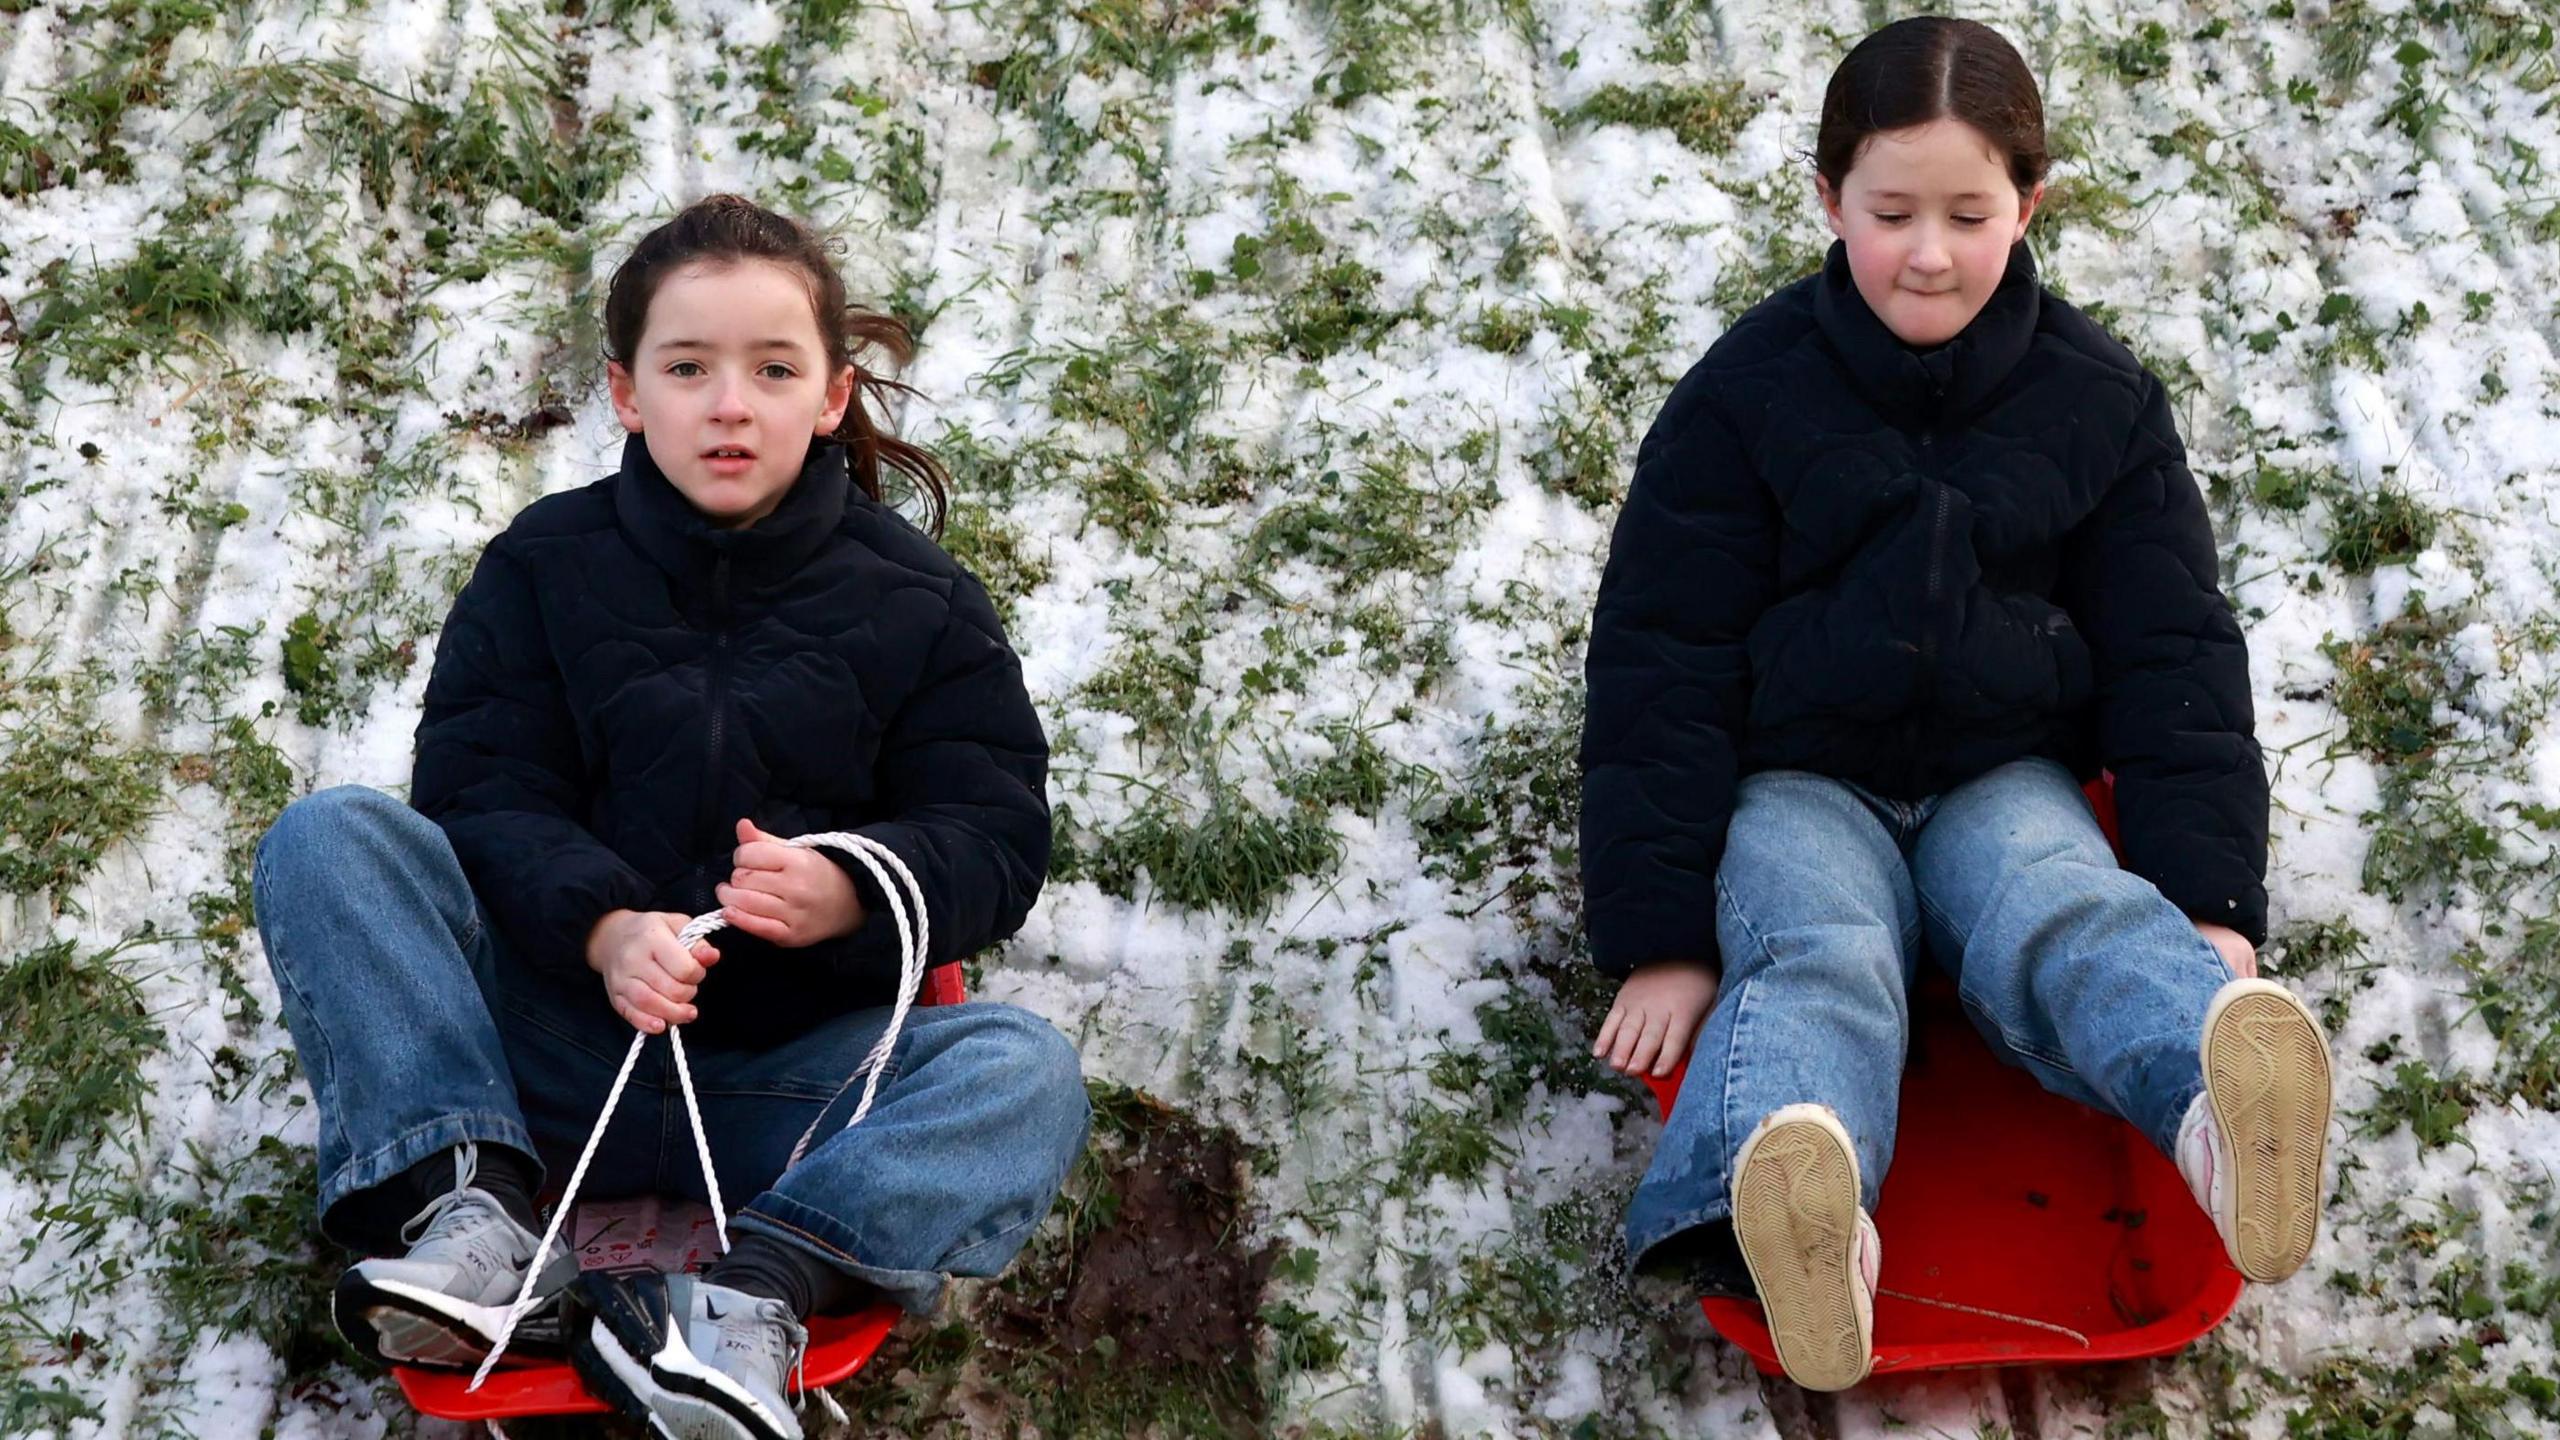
(726, 229)
(1931, 67)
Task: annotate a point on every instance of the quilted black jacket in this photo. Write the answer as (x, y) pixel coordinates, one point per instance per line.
(620, 681)
(1905, 568)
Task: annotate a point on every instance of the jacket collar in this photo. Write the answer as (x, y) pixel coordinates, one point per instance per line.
(683, 542)
(1948, 382)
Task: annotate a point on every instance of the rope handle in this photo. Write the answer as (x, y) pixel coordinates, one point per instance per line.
(914, 943)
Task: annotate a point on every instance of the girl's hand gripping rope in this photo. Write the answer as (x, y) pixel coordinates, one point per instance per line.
(788, 894)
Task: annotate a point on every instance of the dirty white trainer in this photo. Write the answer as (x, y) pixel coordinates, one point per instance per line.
(1813, 1252)
(2252, 1142)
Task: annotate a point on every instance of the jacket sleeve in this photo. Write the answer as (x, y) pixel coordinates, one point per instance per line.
(1692, 564)
(963, 770)
(498, 765)
(2173, 711)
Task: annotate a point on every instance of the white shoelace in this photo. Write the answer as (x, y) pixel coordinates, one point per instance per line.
(914, 942)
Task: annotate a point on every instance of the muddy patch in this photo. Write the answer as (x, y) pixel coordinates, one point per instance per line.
(1137, 1309)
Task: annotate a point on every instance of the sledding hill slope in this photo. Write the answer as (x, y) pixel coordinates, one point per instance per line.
(1291, 356)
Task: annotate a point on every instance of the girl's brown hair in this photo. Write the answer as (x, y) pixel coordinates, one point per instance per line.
(725, 229)
(1926, 68)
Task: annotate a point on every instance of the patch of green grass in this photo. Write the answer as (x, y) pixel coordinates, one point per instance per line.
(2429, 835)
(2434, 1106)
(1581, 457)
(2389, 684)
(1224, 855)
(2082, 198)
(2353, 339)
(202, 671)
(2142, 55)
(1153, 684)
(1502, 331)
(999, 554)
(74, 1032)
(1522, 1050)
(1152, 384)
(1703, 117)
(2385, 527)
(69, 790)
(1380, 519)
(1333, 308)
(1783, 257)
(1357, 776)
(28, 1408)
(501, 136)
(1515, 807)
(1446, 1142)
(246, 1263)
(123, 66)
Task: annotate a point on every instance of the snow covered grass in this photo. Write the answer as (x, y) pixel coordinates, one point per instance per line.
(1292, 355)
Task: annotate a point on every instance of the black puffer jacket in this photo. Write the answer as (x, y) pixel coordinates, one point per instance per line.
(1905, 568)
(621, 681)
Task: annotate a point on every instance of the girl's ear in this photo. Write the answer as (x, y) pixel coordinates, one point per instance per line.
(626, 405)
(2027, 210)
(1830, 205)
(839, 398)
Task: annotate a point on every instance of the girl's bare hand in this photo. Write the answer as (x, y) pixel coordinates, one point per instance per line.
(786, 893)
(2236, 950)
(1658, 1013)
(648, 978)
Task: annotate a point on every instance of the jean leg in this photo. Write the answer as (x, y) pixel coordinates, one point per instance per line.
(978, 1118)
(2070, 966)
(1819, 930)
(385, 968)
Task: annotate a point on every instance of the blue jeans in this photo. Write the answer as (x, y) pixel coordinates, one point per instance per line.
(419, 1032)
(2073, 968)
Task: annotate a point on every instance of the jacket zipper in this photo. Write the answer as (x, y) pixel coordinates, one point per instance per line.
(1936, 583)
(715, 738)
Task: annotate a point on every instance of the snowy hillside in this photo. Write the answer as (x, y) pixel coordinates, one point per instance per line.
(1291, 356)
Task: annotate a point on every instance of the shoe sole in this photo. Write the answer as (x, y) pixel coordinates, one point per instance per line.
(392, 1323)
(1795, 1210)
(679, 1397)
(614, 1376)
(2266, 1069)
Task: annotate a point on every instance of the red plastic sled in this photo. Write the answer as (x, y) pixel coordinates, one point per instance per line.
(839, 1345)
(2019, 1228)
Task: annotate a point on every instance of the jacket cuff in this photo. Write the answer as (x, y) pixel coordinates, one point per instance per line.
(1623, 940)
(551, 927)
(874, 943)
(2242, 908)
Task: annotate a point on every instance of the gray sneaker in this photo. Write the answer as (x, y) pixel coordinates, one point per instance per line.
(443, 1302)
(697, 1361)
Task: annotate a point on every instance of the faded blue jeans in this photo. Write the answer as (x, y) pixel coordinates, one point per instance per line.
(419, 1031)
(2069, 966)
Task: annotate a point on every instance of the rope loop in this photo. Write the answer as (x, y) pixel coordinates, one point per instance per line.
(915, 938)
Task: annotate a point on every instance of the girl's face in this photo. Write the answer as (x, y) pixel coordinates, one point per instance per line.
(1929, 214)
(728, 385)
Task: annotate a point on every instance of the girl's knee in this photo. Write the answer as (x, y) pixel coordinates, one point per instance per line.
(1015, 1048)
(326, 820)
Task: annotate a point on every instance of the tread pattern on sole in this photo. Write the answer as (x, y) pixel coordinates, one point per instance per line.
(1796, 1214)
(2267, 1070)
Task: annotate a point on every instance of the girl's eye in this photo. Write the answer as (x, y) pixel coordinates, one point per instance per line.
(686, 368)
(1971, 219)
(776, 370)
(1891, 219)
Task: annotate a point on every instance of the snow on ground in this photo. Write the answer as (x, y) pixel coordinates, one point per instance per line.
(1292, 356)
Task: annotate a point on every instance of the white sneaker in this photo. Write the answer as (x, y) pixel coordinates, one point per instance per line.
(2252, 1143)
(1814, 1253)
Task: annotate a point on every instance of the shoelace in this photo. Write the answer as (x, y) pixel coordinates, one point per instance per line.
(915, 936)
(466, 1166)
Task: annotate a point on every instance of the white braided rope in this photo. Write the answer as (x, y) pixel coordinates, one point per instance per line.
(914, 941)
